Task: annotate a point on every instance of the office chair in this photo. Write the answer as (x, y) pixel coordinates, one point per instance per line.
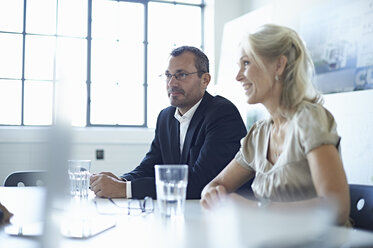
(361, 206)
(26, 178)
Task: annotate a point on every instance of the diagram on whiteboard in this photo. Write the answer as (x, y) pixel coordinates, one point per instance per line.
(340, 39)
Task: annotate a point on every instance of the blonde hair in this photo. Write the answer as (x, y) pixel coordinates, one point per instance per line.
(271, 41)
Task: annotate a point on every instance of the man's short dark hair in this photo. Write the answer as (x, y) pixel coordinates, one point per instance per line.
(201, 61)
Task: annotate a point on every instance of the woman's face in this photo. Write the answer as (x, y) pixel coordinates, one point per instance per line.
(258, 83)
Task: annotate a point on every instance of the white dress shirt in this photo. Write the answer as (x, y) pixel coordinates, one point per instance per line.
(184, 121)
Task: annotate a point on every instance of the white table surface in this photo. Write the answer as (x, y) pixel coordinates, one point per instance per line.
(197, 228)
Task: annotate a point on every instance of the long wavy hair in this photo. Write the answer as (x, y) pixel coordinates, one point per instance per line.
(271, 41)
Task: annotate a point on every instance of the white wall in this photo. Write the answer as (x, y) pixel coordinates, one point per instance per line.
(224, 11)
(353, 112)
(23, 148)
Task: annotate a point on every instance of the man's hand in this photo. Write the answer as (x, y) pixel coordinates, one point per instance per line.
(6, 215)
(106, 184)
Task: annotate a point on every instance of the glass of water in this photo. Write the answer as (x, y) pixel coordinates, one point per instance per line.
(171, 183)
(79, 174)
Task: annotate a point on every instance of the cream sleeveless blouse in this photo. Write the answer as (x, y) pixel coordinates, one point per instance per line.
(289, 179)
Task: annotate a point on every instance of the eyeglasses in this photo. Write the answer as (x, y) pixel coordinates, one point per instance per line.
(178, 75)
(137, 207)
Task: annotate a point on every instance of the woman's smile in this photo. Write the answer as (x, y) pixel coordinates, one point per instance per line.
(247, 86)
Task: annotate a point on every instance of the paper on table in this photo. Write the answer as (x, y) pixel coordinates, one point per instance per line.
(105, 206)
(76, 229)
(87, 228)
(28, 229)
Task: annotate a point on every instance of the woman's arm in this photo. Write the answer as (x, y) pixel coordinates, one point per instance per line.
(330, 179)
(227, 181)
(330, 183)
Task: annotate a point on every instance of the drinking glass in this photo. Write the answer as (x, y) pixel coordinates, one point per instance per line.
(79, 174)
(171, 183)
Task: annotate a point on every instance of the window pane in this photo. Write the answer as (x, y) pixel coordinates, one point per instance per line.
(78, 99)
(39, 58)
(38, 103)
(72, 18)
(185, 29)
(41, 16)
(71, 101)
(11, 56)
(71, 57)
(71, 64)
(117, 65)
(119, 103)
(11, 15)
(104, 19)
(10, 102)
(117, 20)
(105, 62)
(117, 83)
(157, 92)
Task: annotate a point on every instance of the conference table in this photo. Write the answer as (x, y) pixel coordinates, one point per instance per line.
(231, 225)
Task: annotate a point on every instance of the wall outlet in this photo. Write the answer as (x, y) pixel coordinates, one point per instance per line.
(99, 154)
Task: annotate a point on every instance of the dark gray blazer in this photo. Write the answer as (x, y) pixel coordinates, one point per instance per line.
(211, 142)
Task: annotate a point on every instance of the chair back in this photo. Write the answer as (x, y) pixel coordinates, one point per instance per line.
(26, 178)
(361, 206)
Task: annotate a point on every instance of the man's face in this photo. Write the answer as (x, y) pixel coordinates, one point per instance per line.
(184, 93)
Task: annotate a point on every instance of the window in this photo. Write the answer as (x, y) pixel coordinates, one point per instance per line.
(109, 53)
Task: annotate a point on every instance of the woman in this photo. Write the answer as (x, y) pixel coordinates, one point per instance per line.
(5, 215)
(294, 154)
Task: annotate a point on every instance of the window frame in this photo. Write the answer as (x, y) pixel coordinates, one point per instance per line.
(88, 39)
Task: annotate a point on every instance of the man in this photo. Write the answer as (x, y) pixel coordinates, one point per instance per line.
(198, 129)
